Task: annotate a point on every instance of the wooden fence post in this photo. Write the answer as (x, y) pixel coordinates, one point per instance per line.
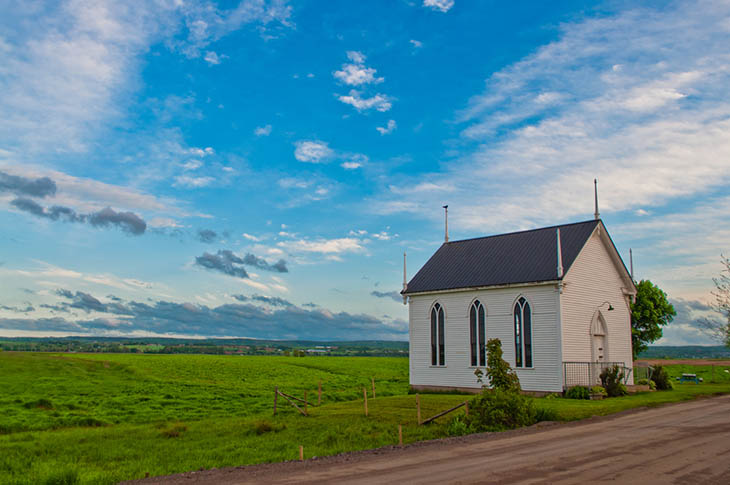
(365, 395)
(319, 396)
(418, 407)
(276, 394)
(301, 453)
(400, 435)
(466, 407)
(372, 380)
(305, 401)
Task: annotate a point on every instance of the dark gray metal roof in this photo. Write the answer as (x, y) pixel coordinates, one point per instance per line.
(517, 257)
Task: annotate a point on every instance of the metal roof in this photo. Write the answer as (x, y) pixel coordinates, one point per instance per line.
(517, 257)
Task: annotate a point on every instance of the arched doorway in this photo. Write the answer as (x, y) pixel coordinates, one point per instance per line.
(599, 338)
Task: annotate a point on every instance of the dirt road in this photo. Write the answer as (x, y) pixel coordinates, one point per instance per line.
(686, 443)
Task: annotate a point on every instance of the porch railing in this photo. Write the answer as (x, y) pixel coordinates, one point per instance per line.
(588, 373)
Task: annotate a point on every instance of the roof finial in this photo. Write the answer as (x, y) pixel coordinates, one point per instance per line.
(631, 263)
(560, 256)
(405, 283)
(596, 214)
(446, 223)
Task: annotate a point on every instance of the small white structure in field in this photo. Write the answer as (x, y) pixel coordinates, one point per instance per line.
(558, 298)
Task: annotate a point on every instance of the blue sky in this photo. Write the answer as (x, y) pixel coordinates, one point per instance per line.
(258, 168)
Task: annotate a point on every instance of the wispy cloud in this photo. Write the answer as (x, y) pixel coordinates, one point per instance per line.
(379, 102)
(262, 130)
(625, 98)
(388, 128)
(439, 5)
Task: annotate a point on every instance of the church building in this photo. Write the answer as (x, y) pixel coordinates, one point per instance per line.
(558, 298)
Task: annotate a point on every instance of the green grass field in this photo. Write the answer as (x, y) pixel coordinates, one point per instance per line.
(102, 418)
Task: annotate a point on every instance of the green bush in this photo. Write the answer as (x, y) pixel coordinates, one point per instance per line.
(612, 380)
(642, 382)
(500, 374)
(458, 426)
(661, 379)
(652, 386)
(578, 392)
(599, 390)
(498, 410)
(546, 414)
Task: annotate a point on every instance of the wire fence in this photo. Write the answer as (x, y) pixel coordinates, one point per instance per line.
(589, 373)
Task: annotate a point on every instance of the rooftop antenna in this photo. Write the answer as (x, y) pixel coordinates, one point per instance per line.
(596, 214)
(446, 223)
(405, 283)
(631, 263)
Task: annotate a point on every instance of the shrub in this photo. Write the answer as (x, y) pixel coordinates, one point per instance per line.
(652, 386)
(578, 392)
(546, 414)
(599, 390)
(458, 426)
(500, 374)
(642, 382)
(498, 410)
(661, 379)
(612, 380)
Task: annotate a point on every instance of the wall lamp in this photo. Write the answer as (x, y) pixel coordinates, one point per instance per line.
(610, 307)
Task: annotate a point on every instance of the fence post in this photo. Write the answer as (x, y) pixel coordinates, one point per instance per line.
(301, 453)
(276, 394)
(400, 435)
(372, 379)
(418, 407)
(319, 395)
(365, 395)
(466, 407)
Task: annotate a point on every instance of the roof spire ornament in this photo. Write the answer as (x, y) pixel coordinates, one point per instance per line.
(446, 223)
(405, 282)
(596, 214)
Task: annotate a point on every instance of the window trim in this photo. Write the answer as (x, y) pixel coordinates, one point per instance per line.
(477, 351)
(522, 348)
(437, 332)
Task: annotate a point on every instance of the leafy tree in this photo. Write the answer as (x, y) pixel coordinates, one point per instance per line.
(500, 374)
(649, 313)
(720, 329)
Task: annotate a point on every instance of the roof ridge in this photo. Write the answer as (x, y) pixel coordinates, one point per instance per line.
(524, 231)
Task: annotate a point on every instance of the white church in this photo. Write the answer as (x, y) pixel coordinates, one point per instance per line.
(557, 297)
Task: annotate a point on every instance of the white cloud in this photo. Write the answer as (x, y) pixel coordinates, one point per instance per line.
(262, 130)
(440, 5)
(324, 246)
(313, 151)
(388, 128)
(192, 165)
(351, 165)
(251, 237)
(212, 58)
(357, 73)
(378, 101)
(356, 57)
(417, 44)
(294, 183)
(193, 182)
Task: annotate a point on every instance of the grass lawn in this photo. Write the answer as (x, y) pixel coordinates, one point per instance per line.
(101, 418)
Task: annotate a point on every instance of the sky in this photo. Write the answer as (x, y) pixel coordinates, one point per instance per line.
(257, 168)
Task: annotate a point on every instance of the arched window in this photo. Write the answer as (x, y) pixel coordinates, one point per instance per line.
(478, 334)
(438, 354)
(523, 334)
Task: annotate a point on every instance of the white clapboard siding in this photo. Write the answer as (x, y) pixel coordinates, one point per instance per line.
(593, 279)
(546, 374)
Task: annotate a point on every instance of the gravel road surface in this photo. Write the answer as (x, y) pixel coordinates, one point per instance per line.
(685, 443)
